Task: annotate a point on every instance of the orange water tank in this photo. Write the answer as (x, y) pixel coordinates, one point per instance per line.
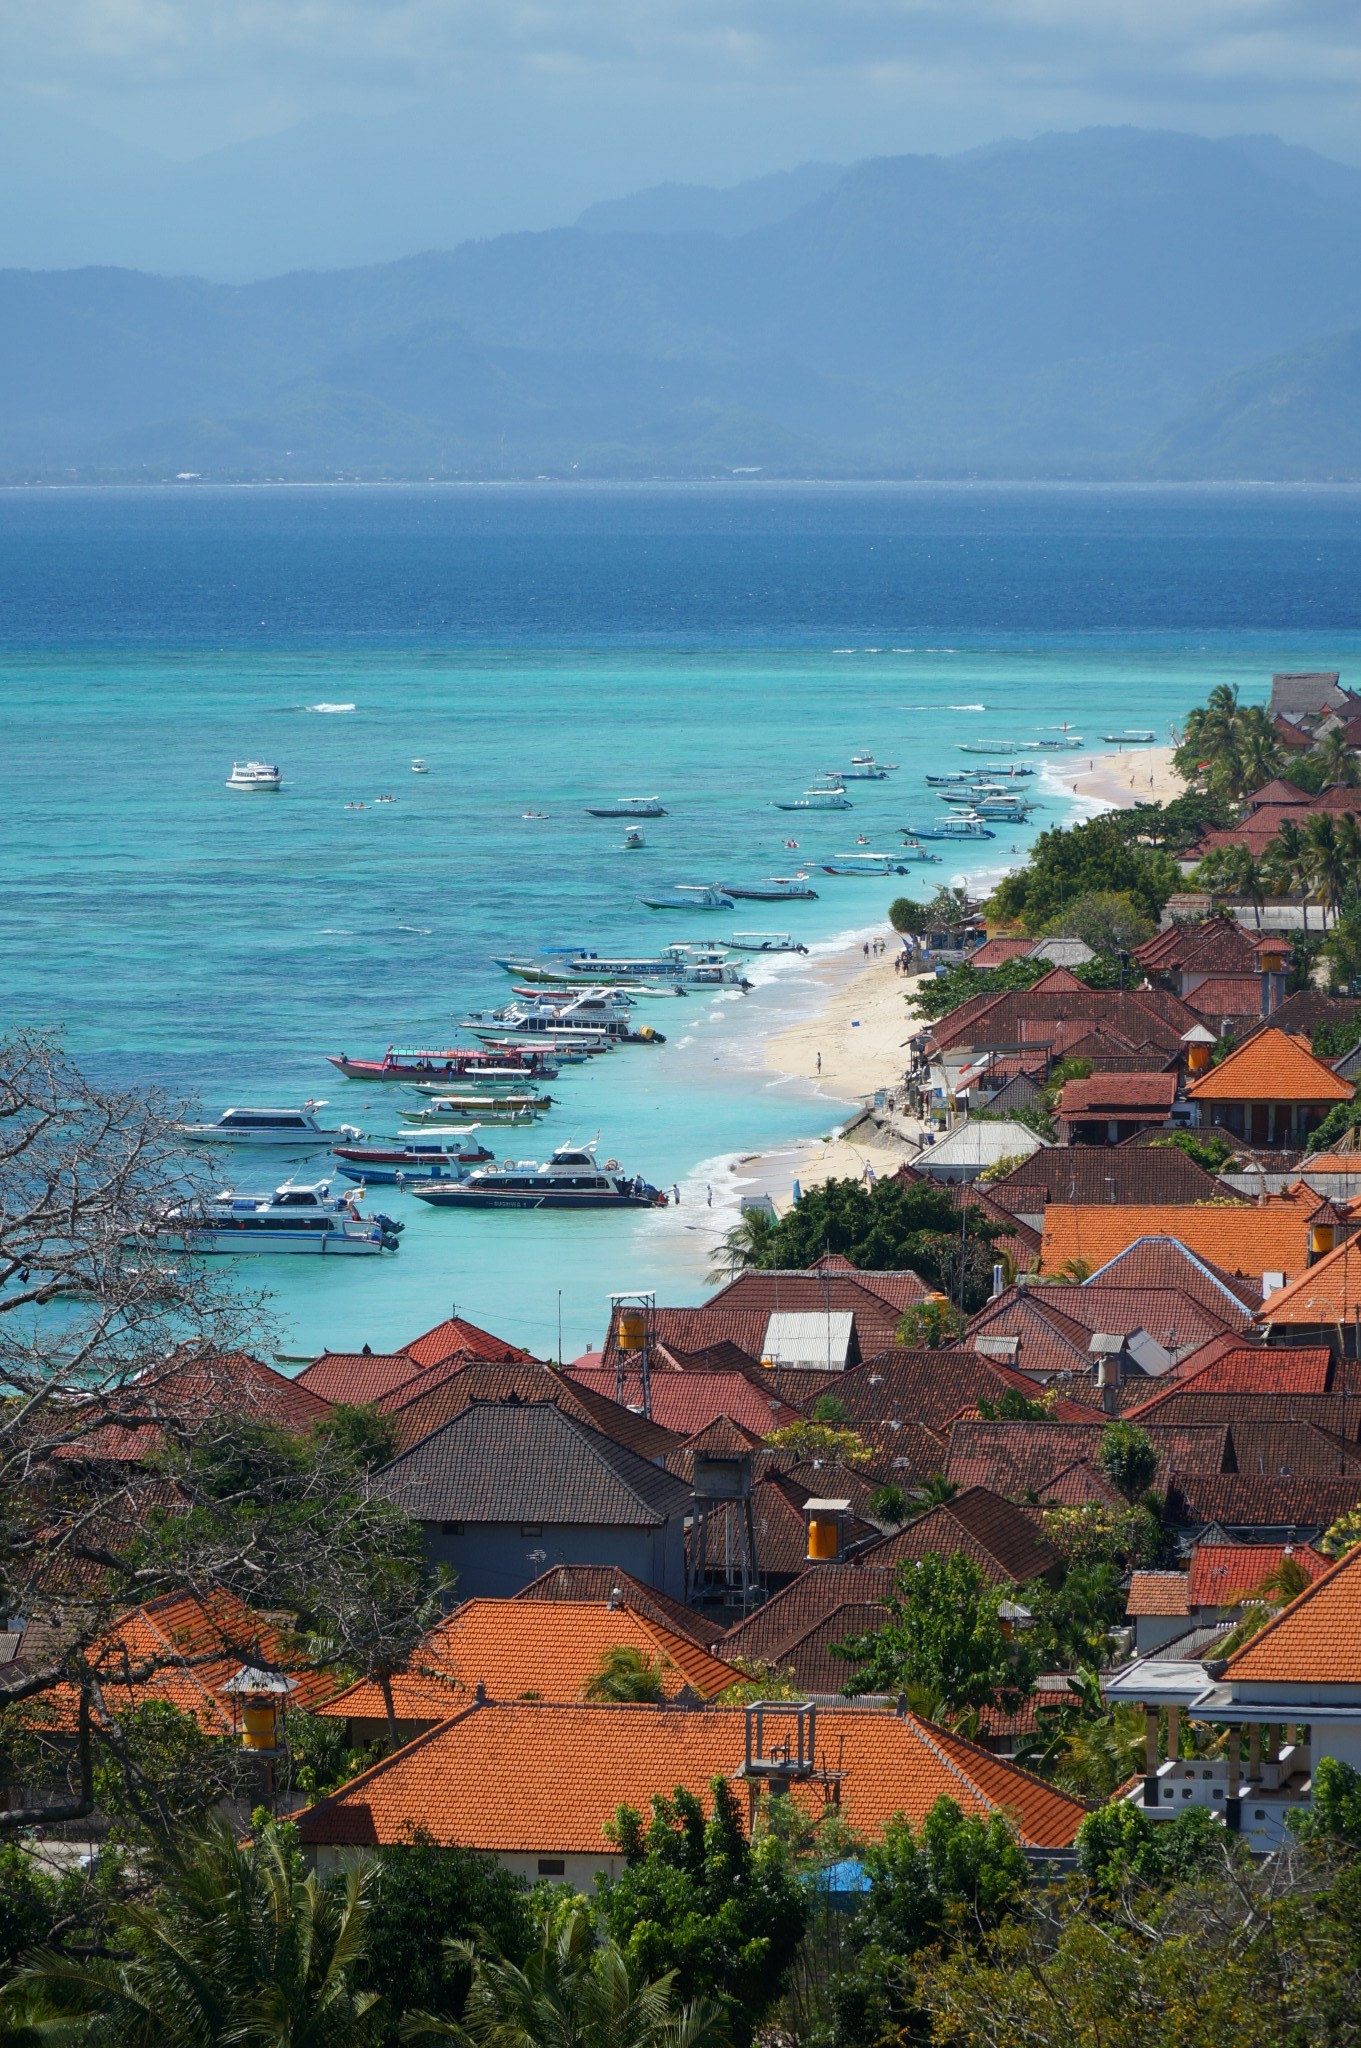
(632, 1329)
(1321, 1238)
(824, 1539)
(260, 1722)
(1198, 1058)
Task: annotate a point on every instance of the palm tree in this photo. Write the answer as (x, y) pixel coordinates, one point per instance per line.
(1288, 861)
(1320, 838)
(1260, 754)
(626, 1677)
(572, 1993)
(237, 1944)
(1338, 761)
(936, 1490)
(748, 1244)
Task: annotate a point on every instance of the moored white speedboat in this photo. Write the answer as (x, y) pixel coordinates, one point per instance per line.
(766, 942)
(775, 889)
(689, 896)
(863, 864)
(420, 767)
(571, 1179)
(818, 800)
(255, 775)
(292, 1130)
(628, 807)
(297, 1217)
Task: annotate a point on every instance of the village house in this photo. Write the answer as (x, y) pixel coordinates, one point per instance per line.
(1269, 1091)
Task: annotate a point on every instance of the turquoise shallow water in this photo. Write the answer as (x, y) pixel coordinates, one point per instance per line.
(222, 944)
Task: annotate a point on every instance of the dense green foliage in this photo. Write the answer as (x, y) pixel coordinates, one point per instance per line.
(422, 1896)
(1128, 1458)
(698, 1898)
(1102, 856)
(1229, 747)
(1210, 1149)
(892, 1225)
(943, 1643)
(572, 1991)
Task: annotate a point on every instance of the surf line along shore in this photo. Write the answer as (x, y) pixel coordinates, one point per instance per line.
(860, 1030)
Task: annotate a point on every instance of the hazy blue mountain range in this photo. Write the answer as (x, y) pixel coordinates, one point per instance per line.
(1113, 302)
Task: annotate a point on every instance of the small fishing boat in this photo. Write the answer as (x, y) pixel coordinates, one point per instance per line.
(459, 1062)
(817, 800)
(628, 807)
(291, 1130)
(420, 767)
(1056, 746)
(689, 896)
(1129, 739)
(955, 775)
(864, 768)
(863, 864)
(255, 775)
(1007, 768)
(450, 1113)
(300, 1216)
(775, 889)
(911, 850)
(865, 759)
(765, 942)
(987, 746)
(570, 1179)
(633, 841)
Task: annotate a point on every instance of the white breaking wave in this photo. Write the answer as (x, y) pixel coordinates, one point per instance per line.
(966, 707)
(329, 707)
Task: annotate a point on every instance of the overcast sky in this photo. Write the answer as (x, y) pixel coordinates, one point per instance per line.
(716, 88)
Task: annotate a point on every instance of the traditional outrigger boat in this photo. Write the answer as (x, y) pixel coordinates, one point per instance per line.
(405, 1063)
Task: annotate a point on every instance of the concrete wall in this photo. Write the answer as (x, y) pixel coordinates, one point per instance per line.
(499, 1558)
(580, 1871)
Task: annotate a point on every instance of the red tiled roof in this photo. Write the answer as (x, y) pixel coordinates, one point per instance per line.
(1164, 1262)
(519, 1650)
(189, 1392)
(1315, 1640)
(1225, 1574)
(1101, 1173)
(549, 1778)
(1270, 1067)
(456, 1333)
(686, 1402)
(1227, 995)
(993, 952)
(995, 1534)
(1253, 1369)
(1270, 1237)
(607, 1582)
(427, 1403)
(356, 1377)
(1156, 1593)
(1119, 1095)
(1326, 1293)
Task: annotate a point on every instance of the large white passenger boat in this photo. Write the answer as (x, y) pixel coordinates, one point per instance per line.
(300, 1216)
(255, 775)
(292, 1130)
(571, 1179)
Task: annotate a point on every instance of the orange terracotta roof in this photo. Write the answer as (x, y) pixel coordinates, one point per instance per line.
(1271, 1067)
(1250, 1369)
(456, 1333)
(1156, 1593)
(547, 1778)
(1316, 1639)
(1328, 1292)
(517, 1650)
(1224, 1574)
(1270, 1238)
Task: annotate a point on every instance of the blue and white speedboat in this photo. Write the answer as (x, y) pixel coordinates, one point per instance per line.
(571, 1179)
(300, 1216)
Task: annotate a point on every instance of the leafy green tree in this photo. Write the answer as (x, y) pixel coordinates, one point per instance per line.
(929, 1325)
(1107, 920)
(1073, 1620)
(159, 1768)
(933, 1492)
(942, 993)
(422, 1896)
(749, 1244)
(1128, 1458)
(627, 1677)
(1341, 1118)
(571, 1991)
(1341, 1535)
(1208, 1148)
(1118, 1845)
(698, 1899)
(1338, 761)
(890, 1504)
(943, 1639)
(890, 1226)
(365, 1436)
(1013, 1406)
(237, 1943)
(1082, 1744)
(320, 1757)
(1069, 863)
(808, 1439)
(827, 1408)
(1335, 1808)
(953, 1880)
(908, 917)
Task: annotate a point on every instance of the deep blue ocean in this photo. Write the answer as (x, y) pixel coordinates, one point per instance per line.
(545, 648)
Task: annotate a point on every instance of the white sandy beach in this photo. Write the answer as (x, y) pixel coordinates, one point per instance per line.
(860, 1029)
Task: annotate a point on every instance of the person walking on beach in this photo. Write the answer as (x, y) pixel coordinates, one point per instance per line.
(819, 1062)
(865, 949)
(710, 1193)
(675, 1193)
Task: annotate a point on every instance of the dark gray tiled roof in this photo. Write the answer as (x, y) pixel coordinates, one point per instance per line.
(525, 1461)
